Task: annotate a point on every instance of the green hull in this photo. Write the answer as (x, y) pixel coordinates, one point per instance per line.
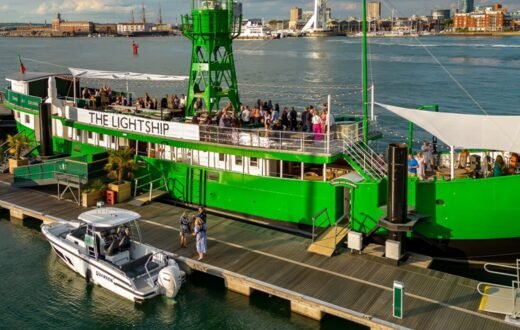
(460, 216)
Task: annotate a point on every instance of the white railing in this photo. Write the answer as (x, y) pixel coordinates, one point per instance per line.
(150, 186)
(370, 162)
(514, 287)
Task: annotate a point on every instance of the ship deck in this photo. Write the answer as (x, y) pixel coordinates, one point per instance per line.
(356, 287)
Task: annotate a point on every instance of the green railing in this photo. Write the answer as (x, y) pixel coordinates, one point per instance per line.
(75, 166)
(23, 100)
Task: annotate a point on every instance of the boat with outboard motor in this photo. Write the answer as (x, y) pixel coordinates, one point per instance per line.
(105, 247)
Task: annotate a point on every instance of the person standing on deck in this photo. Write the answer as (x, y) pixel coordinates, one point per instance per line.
(316, 125)
(412, 165)
(293, 115)
(421, 174)
(201, 238)
(285, 118)
(427, 152)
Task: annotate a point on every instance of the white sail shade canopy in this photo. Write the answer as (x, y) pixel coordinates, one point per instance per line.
(112, 75)
(465, 130)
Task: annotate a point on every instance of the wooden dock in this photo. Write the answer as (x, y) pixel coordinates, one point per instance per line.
(351, 286)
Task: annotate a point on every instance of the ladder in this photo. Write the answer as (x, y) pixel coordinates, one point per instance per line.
(90, 242)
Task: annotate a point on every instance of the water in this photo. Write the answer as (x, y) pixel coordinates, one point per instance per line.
(37, 289)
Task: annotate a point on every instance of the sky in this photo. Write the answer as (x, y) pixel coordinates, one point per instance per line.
(37, 11)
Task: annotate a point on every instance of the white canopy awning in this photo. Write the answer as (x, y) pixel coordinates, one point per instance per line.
(464, 130)
(112, 75)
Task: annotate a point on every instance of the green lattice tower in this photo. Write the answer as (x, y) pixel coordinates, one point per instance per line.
(212, 27)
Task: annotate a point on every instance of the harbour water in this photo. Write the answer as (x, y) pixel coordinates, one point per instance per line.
(38, 289)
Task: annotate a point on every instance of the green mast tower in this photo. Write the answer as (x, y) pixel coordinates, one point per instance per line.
(212, 26)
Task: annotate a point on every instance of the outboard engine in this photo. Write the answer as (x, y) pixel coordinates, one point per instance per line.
(170, 279)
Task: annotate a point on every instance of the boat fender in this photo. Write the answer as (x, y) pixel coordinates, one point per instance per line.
(88, 276)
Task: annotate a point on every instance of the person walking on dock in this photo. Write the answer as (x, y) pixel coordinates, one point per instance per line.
(200, 234)
(185, 229)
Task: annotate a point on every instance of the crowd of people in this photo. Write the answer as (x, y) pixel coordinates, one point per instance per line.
(423, 163)
(270, 117)
(104, 97)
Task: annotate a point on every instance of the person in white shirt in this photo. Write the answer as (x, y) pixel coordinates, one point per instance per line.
(245, 116)
(427, 152)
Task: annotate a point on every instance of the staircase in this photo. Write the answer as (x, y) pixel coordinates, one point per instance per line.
(147, 189)
(326, 242)
(370, 164)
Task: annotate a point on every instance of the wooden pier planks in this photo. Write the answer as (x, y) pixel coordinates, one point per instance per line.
(347, 282)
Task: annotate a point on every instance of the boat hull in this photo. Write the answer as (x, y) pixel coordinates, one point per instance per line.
(96, 271)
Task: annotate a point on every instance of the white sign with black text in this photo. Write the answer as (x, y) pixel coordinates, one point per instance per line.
(139, 125)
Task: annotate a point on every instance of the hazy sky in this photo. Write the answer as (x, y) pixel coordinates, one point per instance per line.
(119, 10)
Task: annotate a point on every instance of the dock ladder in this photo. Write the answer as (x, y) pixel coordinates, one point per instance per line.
(371, 164)
(502, 299)
(326, 236)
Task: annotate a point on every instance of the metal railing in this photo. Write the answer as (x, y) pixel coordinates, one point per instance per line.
(316, 224)
(514, 287)
(372, 164)
(328, 224)
(150, 185)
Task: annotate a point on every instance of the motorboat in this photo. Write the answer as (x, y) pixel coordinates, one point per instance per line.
(105, 247)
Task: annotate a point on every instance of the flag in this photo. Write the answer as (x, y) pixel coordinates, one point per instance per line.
(22, 67)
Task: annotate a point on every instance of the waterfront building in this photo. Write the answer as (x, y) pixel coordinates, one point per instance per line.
(489, 19)
(466, 6)
(109, 29)
(374, 10)
(441, 14)
(71, 27)
(134, 28)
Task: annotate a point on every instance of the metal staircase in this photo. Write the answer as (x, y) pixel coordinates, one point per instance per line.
(371, 165)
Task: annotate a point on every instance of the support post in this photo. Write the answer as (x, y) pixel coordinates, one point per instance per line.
(365, 74)
(452, 162)
(372, 92)
(74, 86)
(329, 113)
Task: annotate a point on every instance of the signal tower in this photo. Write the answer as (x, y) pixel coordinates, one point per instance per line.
(212, 26)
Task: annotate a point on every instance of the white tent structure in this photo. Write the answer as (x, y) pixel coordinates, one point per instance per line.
(112, 75)
(126, 76)
(465, 130)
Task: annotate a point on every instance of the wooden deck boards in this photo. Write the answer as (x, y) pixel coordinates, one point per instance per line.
(361, 283)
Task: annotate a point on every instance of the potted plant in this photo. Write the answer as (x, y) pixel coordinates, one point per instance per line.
(93, 194)
(16, 144)
(121, 166)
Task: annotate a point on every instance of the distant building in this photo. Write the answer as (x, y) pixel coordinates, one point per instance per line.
(466, 6)
(374, 10)
(295, 18)
(441, 14)
(110, 29)
(71, 27)
(489, 19)
(134, 28)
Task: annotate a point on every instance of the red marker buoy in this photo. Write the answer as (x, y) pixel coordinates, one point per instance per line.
(135, 48)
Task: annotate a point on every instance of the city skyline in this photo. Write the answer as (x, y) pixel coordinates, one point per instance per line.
(120, 10)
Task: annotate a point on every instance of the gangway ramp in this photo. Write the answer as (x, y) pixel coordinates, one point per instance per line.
(325, 241)
(502, 299)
